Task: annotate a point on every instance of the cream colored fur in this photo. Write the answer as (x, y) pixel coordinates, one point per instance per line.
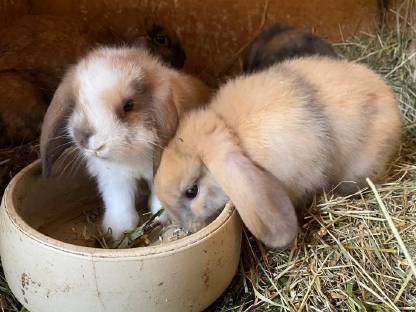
(270, 140)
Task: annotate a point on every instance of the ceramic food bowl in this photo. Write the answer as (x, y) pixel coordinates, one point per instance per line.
(48, 270)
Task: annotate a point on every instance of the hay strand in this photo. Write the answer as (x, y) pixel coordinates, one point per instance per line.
(392, 226)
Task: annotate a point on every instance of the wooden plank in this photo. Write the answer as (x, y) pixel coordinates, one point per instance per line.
(213, 31)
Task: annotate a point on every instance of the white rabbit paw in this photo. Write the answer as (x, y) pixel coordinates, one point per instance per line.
(155, 206)
(120, 223)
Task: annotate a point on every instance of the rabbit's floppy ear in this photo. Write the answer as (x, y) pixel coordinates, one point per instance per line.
(166, 119)
(259, 197)
(54, 139)
(187, 93)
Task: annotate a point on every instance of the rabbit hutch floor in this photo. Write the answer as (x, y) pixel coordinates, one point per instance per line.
(347, 257)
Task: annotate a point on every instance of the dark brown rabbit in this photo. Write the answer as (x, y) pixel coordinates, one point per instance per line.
(163, 43)
(281, 42)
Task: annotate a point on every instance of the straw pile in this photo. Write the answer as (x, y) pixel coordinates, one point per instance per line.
(352, 254)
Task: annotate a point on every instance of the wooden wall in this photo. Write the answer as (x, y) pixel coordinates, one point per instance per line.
(214, 31)
(39, 39)
(10, 10)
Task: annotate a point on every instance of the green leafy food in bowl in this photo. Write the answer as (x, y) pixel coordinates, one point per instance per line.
(131, 238)
(151, 232)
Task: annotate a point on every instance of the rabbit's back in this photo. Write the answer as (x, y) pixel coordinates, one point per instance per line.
(313, 121)
(362, 112)
(271, 114)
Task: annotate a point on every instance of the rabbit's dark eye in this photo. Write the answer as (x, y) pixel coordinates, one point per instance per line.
(161, 39)
(128, 106)
(191, 192)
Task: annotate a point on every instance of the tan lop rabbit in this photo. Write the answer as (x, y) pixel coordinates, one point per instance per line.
(119, 106)
(270, 140)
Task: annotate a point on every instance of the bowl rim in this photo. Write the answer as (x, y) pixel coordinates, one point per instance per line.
(163, 250)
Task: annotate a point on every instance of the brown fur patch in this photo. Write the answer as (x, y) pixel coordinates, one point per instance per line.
(21, 110)
(279, 43)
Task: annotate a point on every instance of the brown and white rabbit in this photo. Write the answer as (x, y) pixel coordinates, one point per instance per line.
(270, 140)
(119, 106)
(281, 42)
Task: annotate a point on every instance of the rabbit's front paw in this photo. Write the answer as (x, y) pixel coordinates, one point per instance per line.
(119, 223)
